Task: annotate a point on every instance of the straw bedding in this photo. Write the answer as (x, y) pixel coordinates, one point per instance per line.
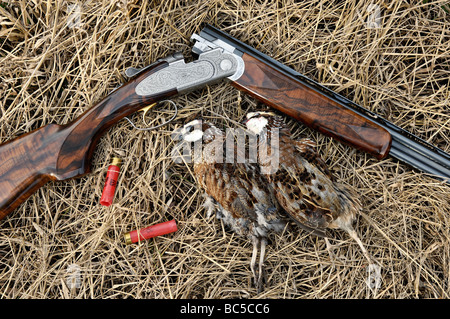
(58, 58)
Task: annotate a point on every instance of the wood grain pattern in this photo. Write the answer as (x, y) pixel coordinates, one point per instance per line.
(312, 108)
(59, 152)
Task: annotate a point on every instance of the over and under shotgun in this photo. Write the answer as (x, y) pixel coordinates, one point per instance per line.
(59, 152)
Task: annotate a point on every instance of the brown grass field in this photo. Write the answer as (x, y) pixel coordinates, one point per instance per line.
(58, 58)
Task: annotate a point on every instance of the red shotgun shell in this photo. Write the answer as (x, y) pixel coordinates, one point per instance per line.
(111, 182)
(150, 232)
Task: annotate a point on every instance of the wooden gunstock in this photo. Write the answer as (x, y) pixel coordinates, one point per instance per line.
(315, 110)
(59, 152)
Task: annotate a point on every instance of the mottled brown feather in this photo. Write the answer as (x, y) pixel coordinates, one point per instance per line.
(240, 190)
(304, 186)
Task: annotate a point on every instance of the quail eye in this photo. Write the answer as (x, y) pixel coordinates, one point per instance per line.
(190, 129)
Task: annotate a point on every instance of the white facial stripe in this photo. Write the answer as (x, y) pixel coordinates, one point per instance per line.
(194, 136)
(256, 125)
(192, 124)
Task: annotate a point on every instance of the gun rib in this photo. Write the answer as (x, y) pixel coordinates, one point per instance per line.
(429, 162)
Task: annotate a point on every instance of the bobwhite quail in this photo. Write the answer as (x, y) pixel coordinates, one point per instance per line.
(303, 185)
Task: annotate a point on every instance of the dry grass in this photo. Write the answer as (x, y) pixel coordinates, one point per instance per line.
(51, 72)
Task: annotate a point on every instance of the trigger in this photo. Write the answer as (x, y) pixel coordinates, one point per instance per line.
(145, 110)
